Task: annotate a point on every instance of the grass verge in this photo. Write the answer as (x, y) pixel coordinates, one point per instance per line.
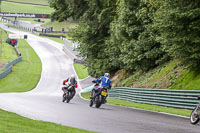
(182, 112)
(24, 8)
(13, 123)
(81, 71)
(58, 26)
(26, 73)
(7, 52)
(55, 39)
(42, 2)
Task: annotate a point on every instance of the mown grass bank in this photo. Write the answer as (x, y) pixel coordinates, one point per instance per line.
(13, 123)
(24, 8)
(81, 71)
(42, 2)
(26, 73)
(55, 39)
(7, 52)
(171, 75)
(58, 26)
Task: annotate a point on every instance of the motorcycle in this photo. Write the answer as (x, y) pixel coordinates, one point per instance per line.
(69, 93)
(195, 114)
(99, 96)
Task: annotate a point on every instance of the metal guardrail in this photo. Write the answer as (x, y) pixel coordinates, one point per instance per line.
(5, 72)
(8, 67)
(14, 62)
(71, 51)
(185, 99)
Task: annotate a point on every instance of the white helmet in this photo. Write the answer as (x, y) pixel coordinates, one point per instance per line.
(73, 76)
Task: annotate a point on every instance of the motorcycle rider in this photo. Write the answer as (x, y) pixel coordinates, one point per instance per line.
(68, 82)
(104, 81)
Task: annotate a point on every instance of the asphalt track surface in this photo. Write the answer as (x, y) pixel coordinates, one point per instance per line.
(44, 102)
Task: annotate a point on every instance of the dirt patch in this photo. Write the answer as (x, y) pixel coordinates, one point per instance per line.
(117, 78)
(2, 65)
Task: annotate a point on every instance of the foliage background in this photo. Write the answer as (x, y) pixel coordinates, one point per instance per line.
(135, 35)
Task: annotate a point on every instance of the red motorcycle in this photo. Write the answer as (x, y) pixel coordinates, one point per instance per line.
(69, 92)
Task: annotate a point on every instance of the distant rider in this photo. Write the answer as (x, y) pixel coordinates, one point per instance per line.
(67, 83)
(103, 81)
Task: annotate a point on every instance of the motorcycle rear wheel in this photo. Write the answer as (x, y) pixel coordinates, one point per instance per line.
(99, 101)
(194, 117)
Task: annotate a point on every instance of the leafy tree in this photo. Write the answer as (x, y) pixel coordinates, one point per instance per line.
(68, 8)
(178, 22)
(136, 37)
(92, 33)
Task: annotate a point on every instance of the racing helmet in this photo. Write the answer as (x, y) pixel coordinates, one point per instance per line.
(72, 76)
(107, 75)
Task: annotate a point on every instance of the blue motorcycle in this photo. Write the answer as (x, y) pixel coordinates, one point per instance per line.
(98, 96)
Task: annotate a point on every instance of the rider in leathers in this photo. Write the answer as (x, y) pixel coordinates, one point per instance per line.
(103, 81)
(68, 82)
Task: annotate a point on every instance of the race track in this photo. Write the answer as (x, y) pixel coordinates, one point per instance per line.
(45, 101)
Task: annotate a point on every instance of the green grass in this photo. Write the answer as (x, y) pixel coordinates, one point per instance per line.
(163, 77)
(61, 34)
(81, 71)
(13, 123)
(26, 73)
(56, 39)
(24, 8)
(190, 80)
(8, 53)
(42, 2)
(57, 26)
(165, 72)
(171, 75)
(182, 112)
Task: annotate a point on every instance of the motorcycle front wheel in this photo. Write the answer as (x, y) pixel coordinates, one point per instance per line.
(68, 97)
(194, 117)
(91, 103)
(64, 97)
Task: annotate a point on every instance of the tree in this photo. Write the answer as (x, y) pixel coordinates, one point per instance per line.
(136, 37)
(92, 33)
(178, 23)
(68, 8)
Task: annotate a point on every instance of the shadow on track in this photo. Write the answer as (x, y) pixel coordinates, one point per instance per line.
(102, 108)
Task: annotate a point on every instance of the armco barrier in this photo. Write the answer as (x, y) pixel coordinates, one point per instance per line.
(5, 72)
(185, 99)
(13, 62)
(8, 67)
